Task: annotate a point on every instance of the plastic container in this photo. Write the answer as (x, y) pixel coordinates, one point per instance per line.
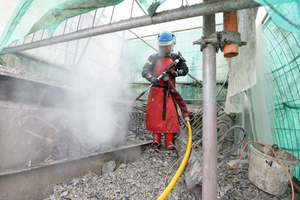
(266, 173)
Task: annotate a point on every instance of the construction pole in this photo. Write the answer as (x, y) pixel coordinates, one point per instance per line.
(209, 186)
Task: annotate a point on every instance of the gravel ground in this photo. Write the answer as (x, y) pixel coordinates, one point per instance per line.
(147, 176)
(143, 178)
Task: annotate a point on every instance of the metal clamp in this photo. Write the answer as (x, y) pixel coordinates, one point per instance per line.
(220, 39)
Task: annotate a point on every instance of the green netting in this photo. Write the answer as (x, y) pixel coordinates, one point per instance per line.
(285, 13)
(151, 5)
(283, 50)
(31, 16)
(98, 57)
(67, 9)
(14, 20)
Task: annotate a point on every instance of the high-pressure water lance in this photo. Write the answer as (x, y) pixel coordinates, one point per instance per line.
(158, 78)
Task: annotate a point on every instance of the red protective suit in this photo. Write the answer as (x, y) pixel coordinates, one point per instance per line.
(161, 115)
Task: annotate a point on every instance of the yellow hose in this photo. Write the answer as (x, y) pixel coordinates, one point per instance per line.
(168, 189)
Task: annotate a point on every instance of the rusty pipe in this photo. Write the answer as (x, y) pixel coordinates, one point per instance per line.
(230, 23)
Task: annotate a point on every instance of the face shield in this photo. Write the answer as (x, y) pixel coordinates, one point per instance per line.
(166, 41)
(165, 48)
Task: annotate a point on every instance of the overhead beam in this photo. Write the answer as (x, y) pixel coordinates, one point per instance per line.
(165, 16)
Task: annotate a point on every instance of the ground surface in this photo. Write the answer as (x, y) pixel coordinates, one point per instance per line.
(147, 176)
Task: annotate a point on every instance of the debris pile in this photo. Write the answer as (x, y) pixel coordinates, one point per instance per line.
(147, 176)
(144, 178)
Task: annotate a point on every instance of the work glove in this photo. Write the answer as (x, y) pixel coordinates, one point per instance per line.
(174, 74)
(154, 80)
(177, 73)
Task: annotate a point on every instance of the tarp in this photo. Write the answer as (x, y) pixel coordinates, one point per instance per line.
(22, 18)
(30, 16)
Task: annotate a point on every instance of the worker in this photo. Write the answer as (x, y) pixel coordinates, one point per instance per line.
(161, 113)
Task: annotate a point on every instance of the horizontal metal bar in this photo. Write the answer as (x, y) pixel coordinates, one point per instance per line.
(145, 99)
(193, 77)
(177, 31)
(165, 16)
(143, 40)
(177, 82)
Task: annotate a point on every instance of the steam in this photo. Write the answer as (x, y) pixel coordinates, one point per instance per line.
(104, 87)
(55, 123)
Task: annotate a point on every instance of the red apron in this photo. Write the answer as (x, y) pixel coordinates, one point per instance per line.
(161, 114)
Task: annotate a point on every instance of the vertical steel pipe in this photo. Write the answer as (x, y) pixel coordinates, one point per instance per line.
(209, 187)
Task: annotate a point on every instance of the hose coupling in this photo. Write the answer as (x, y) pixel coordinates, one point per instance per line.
(187, 119)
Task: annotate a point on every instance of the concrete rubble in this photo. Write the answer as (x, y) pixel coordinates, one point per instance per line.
(148, 175)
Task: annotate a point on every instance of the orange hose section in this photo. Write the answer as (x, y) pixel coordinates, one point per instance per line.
(276, 158)
(230, 23)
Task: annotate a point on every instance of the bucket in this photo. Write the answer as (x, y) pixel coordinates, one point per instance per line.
(266, 173)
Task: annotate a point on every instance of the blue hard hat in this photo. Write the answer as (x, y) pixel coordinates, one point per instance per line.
(165, 38)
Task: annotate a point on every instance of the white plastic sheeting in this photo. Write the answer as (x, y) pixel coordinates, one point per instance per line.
(247, 73)
(242, 67)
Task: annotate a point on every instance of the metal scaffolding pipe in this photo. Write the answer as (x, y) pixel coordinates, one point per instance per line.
(177, 82)
(218, 100)
(143, 40)
(209, 186)
(166, 16)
